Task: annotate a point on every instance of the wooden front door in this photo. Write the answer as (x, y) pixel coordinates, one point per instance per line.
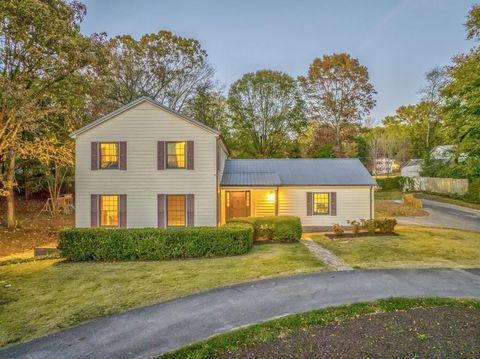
(238, 204)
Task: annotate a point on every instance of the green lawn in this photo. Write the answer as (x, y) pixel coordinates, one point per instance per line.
(48, 295)
(414, 247)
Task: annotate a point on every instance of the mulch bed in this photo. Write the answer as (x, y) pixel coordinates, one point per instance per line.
(442, 332)
(362, 234)
(33, 230)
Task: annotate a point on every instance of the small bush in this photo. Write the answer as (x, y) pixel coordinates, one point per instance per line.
(385, 225)
(338, 230)
(82, 244)
(356, 226)
(277, 228)
(369, 225)
(382, 225)
(411, 201)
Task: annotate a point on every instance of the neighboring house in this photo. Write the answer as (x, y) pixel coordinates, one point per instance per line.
(412, 168)
(385, 165)
(145, 165)
(446, 153)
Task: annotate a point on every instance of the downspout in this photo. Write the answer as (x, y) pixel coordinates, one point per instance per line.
(371, 202)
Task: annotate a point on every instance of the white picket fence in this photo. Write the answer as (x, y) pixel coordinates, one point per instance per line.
(440, 185)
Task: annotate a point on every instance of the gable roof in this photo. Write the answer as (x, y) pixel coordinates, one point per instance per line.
(296, 172)
(134, 103)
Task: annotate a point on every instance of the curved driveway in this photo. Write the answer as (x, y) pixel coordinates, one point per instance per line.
(153, 330)
(445, 215)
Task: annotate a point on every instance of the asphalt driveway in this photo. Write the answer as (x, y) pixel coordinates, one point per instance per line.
(150, 331)
(445, 215)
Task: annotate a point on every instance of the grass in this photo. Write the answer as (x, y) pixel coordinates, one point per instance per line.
(260, 333)
(393, 195)
(388, 195)
(445, 199)
(49, 295)
(384, 208)
(414, 247)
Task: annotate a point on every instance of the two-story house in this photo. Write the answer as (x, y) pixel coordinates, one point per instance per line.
(145, 165)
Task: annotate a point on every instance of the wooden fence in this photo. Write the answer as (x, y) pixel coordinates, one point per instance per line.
(440, 185)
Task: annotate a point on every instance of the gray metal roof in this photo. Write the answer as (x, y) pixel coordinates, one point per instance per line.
(297, 172)
(252, 178)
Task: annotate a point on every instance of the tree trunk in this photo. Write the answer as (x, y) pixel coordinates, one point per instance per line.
(11, 216)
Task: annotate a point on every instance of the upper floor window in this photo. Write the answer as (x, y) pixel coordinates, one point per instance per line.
(321, 203)
(176, 154)
(109, 211)
(109, 155)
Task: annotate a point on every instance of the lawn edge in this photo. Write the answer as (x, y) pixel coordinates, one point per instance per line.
(243, 337)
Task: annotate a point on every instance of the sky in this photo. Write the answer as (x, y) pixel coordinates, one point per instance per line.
(398, 40)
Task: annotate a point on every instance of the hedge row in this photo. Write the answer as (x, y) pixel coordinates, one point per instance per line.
(398, 183)
(82, 244)
(278, 228)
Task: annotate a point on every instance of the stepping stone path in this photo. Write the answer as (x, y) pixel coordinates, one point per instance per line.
(334, 262)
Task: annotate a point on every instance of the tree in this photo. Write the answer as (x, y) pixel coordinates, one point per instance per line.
(338, 93)
(416, 122)
(167, 68)
(266, 111)
(210, 108)
(462, 94)
(43, 56)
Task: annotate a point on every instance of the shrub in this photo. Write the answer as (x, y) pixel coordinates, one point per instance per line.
(277, 228)
(356, 226)
(412, 201)
(385, 225)
(382, 225)
(369, 225)
(81, 244)
(338, 230)
(398, 183)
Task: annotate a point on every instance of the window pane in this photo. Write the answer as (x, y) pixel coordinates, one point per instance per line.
(108, 155)
(176, 154)
(109, 211)
(176, 211)
(320, 203)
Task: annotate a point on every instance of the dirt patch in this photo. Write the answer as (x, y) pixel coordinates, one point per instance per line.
(32, 230)
(442, 332)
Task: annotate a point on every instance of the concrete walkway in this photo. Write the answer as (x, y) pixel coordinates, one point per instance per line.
(327, 257)
(445, 215)
(150, 331)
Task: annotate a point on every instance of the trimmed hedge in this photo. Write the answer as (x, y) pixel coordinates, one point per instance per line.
(276, 228)
(83, 244)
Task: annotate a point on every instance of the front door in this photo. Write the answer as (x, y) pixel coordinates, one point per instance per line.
(238, 204)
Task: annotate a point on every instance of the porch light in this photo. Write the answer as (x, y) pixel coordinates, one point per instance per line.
(271, 197)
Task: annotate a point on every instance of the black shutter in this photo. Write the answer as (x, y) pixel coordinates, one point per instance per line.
(94, 156)
(123, 211)
(123, 156)
(333, 203)
(160, 155)
(94, 210)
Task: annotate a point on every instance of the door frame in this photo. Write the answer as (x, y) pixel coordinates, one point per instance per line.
(248, 202)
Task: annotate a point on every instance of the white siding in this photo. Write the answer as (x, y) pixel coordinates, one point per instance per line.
(353, 203)
(141, 127)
